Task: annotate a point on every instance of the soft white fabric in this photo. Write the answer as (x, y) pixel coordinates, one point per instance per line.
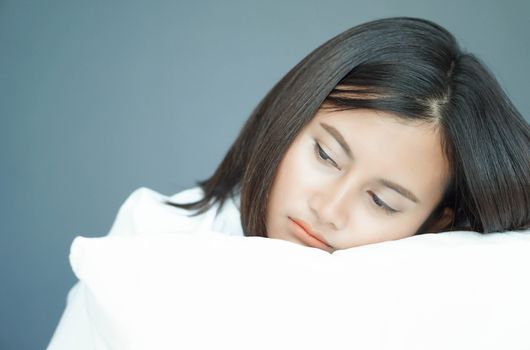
(155, 289)
(142, 212)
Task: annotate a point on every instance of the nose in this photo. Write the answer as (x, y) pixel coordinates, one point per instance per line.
(330, 207)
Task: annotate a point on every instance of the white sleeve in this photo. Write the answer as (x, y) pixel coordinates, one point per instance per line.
(142, 212)
(74, 330)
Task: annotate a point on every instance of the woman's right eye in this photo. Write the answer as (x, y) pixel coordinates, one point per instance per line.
(323, 156)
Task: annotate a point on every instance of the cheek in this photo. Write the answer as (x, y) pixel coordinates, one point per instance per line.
(286, 179)
(287, 193)
(291, 187)
(367, 226)
(377, 231)
(298, 173)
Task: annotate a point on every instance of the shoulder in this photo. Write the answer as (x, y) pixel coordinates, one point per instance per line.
(143, 195)
(226, 220)
(145, 211)
(188, 195)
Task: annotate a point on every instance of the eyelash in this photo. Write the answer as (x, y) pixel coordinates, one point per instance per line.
(382, 205)
(323, 156)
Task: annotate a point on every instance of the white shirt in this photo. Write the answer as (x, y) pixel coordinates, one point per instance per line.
(143, 213)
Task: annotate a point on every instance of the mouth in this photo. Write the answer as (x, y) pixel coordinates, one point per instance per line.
(302, 232)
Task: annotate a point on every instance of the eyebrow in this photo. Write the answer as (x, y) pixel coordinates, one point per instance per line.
(399, 189)
(387, 183)
(338, 137)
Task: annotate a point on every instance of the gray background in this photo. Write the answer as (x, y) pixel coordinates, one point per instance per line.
(98, 98)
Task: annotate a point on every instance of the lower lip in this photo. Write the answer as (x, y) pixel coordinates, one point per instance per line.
(305, 237)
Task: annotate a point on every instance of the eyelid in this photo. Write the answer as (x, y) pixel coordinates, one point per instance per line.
(318, 150)
(383, 205)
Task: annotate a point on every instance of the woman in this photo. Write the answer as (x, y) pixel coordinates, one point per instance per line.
(400, 119)
(385, 131)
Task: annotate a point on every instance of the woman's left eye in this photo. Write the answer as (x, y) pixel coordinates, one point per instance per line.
(382, 205)
(323, 156)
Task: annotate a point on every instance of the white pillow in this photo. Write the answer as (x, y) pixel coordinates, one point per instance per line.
(452, 290)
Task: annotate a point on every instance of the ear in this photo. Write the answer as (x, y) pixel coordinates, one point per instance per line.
(442, 223)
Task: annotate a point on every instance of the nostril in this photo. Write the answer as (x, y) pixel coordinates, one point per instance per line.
(327, 215)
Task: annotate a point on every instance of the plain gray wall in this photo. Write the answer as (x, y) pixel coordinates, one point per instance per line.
(98, 98)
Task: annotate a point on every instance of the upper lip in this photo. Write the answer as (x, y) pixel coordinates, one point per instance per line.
(307, 229)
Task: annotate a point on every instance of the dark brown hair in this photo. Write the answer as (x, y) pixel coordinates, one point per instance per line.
(415, 69)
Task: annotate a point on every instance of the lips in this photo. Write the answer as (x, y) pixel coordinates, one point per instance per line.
(304, 233)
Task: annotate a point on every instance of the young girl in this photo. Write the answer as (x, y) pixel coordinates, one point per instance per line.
(385, 131)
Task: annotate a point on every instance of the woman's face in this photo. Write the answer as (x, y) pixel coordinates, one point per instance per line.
(356, 177)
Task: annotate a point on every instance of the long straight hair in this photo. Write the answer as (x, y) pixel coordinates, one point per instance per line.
(415, 69)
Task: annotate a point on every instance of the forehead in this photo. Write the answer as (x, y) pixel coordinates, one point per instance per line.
(389, 146)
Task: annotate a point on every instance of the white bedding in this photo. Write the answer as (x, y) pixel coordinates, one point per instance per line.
(203, 290)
